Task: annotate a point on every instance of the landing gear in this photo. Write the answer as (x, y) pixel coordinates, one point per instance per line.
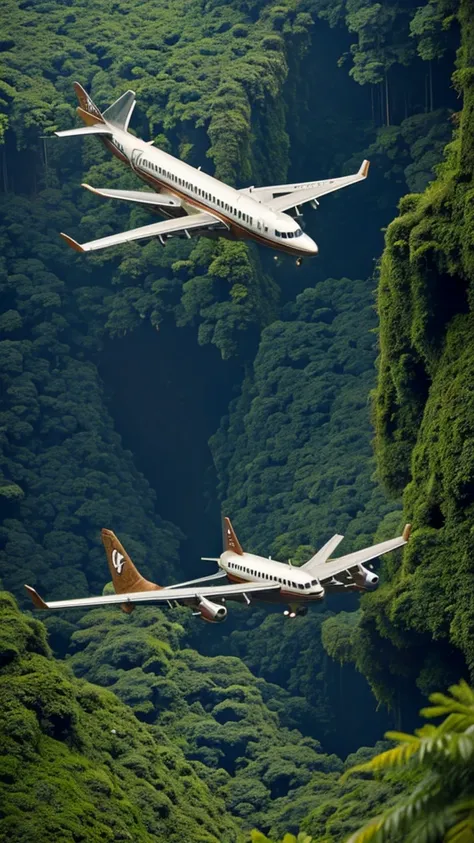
(299, 261)
(293, 613)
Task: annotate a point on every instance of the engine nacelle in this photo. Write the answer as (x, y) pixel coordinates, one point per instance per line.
(211, 612)
(368, 579)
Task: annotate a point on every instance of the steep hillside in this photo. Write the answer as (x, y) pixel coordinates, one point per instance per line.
(423, 411)
(77, 765)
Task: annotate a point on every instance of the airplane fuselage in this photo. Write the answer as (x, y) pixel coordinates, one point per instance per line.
(297, 586)
(243, 216)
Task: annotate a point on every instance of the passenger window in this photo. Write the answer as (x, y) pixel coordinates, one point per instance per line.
(300, 585)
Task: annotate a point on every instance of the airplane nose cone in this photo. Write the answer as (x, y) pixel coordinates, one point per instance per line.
(309, 245)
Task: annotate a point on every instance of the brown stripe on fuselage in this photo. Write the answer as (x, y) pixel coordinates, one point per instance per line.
(234, 228)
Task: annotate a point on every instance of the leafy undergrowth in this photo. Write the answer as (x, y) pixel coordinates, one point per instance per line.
(76, 763)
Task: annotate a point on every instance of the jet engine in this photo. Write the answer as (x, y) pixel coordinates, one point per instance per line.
(368, 579)
(211, 612)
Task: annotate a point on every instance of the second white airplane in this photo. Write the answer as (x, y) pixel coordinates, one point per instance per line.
(194, 202)
(246, 574)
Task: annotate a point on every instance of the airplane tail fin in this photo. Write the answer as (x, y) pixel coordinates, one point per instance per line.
(231, 541)
(87, 109)
(120, 112)
(125, 577)
(116, 115)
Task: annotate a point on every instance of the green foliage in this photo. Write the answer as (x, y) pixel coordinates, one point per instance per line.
(78, 765)
(294, 456)
(423, 418)
(222, 717)
(441, 806)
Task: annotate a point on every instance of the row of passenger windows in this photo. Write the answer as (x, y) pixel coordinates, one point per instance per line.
(261, 575)
(240, 215)
(289, 234)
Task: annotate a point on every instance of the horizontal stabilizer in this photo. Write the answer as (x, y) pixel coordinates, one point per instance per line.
(99, 129)
(217, 576)
(322, 555)
(143, 197)
(120, 111)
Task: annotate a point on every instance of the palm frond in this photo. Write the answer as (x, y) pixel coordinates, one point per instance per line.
(395, 757)
(463, 830)
(368, 832)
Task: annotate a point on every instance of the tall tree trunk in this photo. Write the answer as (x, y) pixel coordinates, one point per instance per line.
(387, 102)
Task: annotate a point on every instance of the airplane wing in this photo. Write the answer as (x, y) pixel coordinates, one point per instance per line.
(163, 200)
(161, 595)
(328, 570)
(281, 197)
(182, 225)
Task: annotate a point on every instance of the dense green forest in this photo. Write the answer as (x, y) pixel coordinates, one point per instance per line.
(145, 389)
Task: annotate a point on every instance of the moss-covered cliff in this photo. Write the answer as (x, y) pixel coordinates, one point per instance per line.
(423, 412)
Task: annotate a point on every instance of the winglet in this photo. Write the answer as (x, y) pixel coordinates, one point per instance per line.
(406, 532)
(88, 187)
(72, 243)
(37, 600)
(364, 168)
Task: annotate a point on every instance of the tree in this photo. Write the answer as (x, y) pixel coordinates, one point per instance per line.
(441, 805)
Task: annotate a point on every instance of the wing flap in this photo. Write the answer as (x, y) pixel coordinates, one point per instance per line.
(157, 229)
(140, 196)
(162, 595)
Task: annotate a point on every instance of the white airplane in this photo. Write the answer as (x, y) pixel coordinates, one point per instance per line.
(246, 573)
(195, 203)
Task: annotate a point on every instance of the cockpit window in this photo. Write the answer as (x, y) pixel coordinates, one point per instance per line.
(306, 585)
(290, 234)
(314, 582)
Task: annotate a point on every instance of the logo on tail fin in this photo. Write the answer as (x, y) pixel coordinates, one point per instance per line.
(118, 561)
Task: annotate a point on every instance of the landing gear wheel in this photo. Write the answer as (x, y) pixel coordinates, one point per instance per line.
(299, 261)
